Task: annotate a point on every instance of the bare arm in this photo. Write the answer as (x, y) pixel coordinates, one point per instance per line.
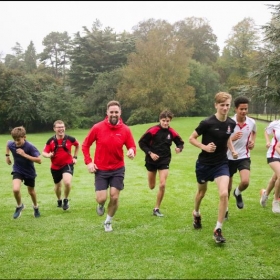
(210, 148)
(29, 157)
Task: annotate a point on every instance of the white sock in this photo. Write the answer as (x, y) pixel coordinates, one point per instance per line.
(218, 225)
(108, 219)
(197, 214)
(237, 191)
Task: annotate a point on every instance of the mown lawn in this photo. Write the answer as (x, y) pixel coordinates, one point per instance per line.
(73, 245)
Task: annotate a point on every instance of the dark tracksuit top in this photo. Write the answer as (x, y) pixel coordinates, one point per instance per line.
(158, 140)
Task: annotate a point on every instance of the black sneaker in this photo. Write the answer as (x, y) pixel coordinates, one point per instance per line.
(65, 205)
(239, 201)
(218, 236)
(18, 211)
(59, 203)
(226, 216)
(36, 212)
(197, 221)
(157, 213)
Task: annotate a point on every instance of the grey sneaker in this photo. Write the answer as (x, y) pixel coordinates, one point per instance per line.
(264, 197)
(157, 213)
(36, 212)
(100, 210)
(65, 205)
(18, 211)
(108, 226)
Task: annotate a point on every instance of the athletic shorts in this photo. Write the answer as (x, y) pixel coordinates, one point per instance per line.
(205, 173)
(239, 165)
(57, 174)
(154, 167)
(272, 159)
(29, 182)
(111, 178)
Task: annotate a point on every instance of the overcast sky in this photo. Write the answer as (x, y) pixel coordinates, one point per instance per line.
(25, 21)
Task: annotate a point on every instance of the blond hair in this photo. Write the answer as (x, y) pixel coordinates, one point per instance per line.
(221, 97)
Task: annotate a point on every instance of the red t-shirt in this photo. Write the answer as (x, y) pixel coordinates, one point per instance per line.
(61, 157)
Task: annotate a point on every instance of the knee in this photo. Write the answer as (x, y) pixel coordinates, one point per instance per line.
(245, 183)
(162, 186)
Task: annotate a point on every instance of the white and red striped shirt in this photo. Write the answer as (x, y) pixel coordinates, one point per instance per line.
(273, 129)
(241, 145)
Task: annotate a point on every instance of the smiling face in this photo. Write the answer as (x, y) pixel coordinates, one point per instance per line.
(114, 113)
(59, 128)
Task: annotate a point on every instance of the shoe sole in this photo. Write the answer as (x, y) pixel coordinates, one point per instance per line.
(261, 194)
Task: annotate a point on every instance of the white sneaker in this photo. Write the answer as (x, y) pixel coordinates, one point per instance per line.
(264, 197)
(275, 206)
(108, 226)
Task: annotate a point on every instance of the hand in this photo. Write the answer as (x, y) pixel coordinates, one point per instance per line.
(234, 154)
(251, 145)
(267, 144)
(178, 150)
(237, 136)
(130, 154)
(92, 167)
(154, 157)
(211, 148)
(8, 160)
(20, 152)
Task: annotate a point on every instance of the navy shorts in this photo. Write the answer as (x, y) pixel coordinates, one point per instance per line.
(239, 165)
(57, 174)
(29, 182)
(205, 173)
(111, 178)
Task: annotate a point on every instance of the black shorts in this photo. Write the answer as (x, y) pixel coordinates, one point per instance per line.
(239, 165)
(29, 182)
(272, 159)
(160, 164)
(111, 178)
(57, 174)
(205, 173)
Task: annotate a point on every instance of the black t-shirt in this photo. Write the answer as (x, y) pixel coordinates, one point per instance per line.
(218, 132)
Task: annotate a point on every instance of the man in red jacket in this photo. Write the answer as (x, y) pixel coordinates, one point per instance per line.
(110, 136)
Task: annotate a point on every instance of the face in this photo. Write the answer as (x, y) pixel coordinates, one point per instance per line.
(59, 129)
(223, 108)
(19, 141)
(164, 123)
(114, 113)
(242, 110)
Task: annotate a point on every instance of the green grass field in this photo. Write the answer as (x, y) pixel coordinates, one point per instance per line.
(73, 245)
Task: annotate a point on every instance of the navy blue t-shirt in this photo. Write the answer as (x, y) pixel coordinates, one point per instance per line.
(21, 164)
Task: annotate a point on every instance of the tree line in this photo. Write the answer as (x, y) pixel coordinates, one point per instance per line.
(157, 66)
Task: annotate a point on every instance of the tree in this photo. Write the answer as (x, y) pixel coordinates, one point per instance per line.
(199, 35)
(98, 51)
(56, 51)
(157, 73)
(30, 58)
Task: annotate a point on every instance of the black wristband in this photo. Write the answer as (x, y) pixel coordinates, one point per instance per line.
(7, 155)
(75, 157)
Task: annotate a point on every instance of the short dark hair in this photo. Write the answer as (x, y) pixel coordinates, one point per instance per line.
(165, 114)
(241, 100)
(113, 103)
